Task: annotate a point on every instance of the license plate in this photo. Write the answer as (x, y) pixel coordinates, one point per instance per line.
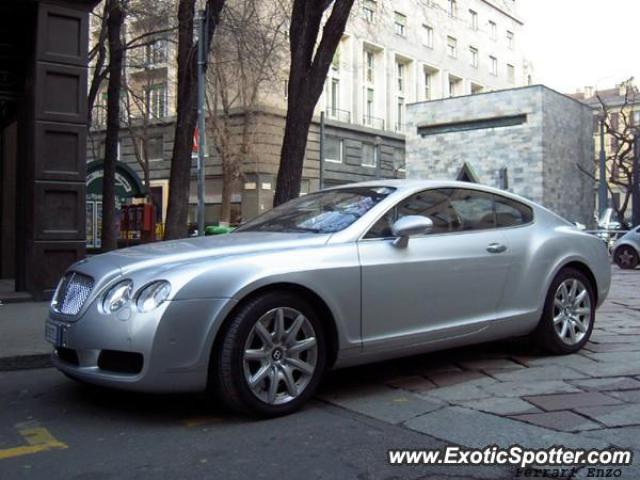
(53, 334)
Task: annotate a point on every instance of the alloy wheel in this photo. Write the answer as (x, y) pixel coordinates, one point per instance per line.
(280, 355)
(626, 258)
(571, 311)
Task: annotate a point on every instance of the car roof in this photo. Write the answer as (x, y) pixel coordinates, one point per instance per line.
(415, 185)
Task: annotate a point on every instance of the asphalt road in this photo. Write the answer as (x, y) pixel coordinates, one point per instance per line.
(51, 427)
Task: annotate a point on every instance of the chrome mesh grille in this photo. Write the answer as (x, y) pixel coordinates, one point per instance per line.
(73, 291)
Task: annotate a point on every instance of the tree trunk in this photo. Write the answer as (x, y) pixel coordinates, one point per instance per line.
(98, 72)
(310, 61)
(186, 116)
(114, 25)
(294, 144)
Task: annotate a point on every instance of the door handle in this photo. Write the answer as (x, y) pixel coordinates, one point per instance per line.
(496, 248)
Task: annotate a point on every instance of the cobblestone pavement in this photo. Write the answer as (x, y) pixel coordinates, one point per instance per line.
(507, 392)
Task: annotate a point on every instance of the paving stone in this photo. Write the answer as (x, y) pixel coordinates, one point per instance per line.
(523, 388)
(604, 370)
(614, 416)
(604, 384)
(563, 420)
(447, 379)
(629, 396)
(477, 429)
(571, 361)
(382, 402)
(414, 383)
(617, 357)
(533, 374)
(569, 401)
(614, 347)
(469, 390)
(501, 406)
(491, 364)
(628, 437)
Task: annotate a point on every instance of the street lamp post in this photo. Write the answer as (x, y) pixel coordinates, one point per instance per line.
(602, 185)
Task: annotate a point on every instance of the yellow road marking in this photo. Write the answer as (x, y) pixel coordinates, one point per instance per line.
(38, 438)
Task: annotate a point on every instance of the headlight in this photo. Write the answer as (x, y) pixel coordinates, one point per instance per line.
(118, 296)
(153, 295)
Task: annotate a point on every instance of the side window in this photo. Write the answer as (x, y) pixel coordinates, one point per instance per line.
(455, 210)
(474, 208)
(434, 204)
(510, 213)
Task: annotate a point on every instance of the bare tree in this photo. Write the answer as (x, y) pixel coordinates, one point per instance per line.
(186, 115)
(311, 56)
(620, 129)
(247, 54)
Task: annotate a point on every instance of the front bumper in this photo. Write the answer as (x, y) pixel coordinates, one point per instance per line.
(173, 341)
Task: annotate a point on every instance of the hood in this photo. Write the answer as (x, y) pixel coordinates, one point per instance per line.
(193, 249)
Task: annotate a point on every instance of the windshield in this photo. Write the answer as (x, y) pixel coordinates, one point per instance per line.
(321, 212)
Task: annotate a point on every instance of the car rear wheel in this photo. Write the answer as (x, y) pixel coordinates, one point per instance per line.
(272, 355)
(626, 257)
(568, 315)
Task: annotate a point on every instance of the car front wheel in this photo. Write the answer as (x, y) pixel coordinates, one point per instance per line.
(626, 257)
(568, 315)
(272, 355)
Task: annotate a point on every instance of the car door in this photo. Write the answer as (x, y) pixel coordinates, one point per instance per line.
(442, 284)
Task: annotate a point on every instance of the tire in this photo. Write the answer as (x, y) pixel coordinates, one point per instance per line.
(570, 314)
(626, 257)
(291, 357)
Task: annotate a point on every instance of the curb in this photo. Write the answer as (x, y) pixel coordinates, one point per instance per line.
(25, 362)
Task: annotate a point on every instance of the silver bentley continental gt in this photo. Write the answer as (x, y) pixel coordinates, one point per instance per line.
(345, 276)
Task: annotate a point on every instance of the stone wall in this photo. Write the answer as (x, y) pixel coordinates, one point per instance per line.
(540, 151)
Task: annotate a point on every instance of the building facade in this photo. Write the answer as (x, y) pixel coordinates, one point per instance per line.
(394, 52)
(532, 141)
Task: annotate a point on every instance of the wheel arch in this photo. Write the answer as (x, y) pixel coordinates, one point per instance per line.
(326, 315)
(586, 271)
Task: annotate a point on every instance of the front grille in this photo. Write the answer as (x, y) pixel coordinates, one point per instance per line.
(73, 291)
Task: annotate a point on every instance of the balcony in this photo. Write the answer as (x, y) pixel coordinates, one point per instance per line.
(338, 115)
(373, 122)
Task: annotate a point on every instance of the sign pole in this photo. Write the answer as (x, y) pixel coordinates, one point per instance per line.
(202, 61)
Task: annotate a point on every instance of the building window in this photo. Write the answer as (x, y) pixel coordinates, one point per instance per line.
(398, 160)
(493, 61)
(335, 61)
(427, 85)
(333, 149)
(427, 36)
(636, 117)
(511, 73)
(155, 148)
(369, 155)
(473, 52)
(156, 52)
(369, 10)
(473, 16)
(452, 47)
(400, 114)
(452, 8)
(369, 66)
(157, 100)
(400, 67)
(400, 24)
(368, 108)
(510, 39)
(493, 30)
(333, 97)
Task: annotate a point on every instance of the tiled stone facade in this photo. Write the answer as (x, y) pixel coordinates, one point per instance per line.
(547, 154)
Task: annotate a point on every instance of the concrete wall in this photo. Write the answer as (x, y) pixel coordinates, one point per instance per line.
(540, 155)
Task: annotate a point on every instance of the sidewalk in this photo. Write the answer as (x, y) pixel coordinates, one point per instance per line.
(22, 343)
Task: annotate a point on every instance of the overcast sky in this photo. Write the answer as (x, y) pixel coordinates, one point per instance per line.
(575, 43)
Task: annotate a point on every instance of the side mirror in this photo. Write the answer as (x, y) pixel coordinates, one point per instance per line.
(409, 226)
